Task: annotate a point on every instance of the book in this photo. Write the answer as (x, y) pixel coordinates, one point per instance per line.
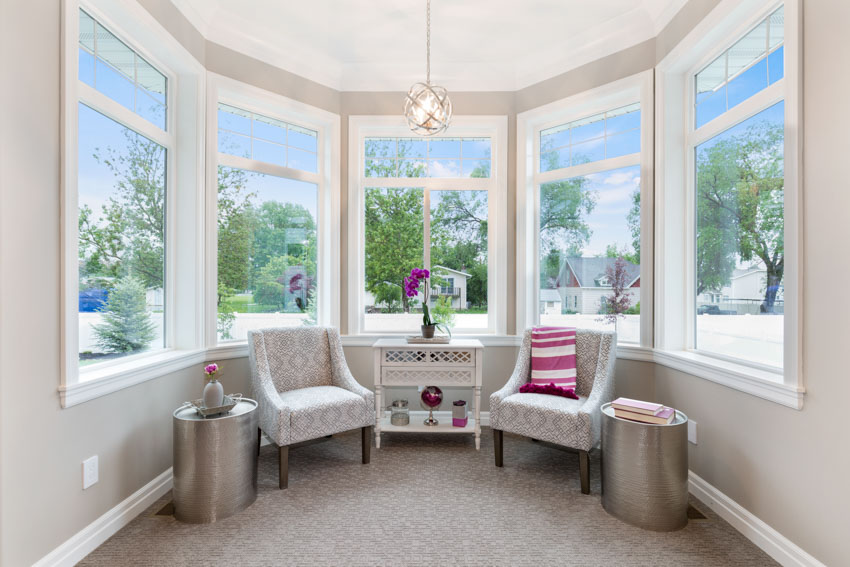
(666, 415)
(637, 406)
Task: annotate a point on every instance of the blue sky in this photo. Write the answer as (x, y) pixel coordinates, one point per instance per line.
(614, 191)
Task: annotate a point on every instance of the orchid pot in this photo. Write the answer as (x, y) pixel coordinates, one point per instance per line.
(411, 289)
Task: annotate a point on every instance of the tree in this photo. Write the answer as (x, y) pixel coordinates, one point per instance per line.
(283, 229)
(740, 213)
(126, 325)
(616, 304)
(633, 220)
(235, 232)
(276, 279)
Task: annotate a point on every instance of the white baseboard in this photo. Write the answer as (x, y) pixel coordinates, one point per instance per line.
(87, 540)
(779, 547)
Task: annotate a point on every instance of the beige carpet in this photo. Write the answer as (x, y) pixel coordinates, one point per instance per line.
(424, 500)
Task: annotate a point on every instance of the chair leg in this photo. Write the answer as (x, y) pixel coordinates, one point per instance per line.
(497, 440)
(259, 440)
(283, 466)
(366, 440)
(584, 471)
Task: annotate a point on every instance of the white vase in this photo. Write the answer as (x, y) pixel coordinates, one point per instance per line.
(213, 394)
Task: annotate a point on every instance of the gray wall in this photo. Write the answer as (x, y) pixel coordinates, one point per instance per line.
(787, 467)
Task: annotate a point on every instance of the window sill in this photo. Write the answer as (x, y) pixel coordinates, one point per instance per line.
(102, 381)
(367, 340)
(761, 383)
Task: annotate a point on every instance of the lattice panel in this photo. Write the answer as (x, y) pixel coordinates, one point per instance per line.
(405, 357)
(464, 357)
(412, 377)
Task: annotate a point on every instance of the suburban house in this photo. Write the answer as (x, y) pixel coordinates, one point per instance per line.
(452, 284)
(583, 282)
(744, 293)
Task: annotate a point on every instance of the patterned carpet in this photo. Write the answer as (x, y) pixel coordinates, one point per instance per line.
(424, 500)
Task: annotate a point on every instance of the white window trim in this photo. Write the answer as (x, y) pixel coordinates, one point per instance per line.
(327, 179)
(494, 127)
(637, 88)
(675, 134)
(183, 137)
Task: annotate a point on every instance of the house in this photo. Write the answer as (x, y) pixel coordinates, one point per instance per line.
(452, 284)
(744, 293)
(551, 302)
(583, 283)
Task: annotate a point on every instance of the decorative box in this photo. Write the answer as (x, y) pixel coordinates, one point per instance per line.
(459, 414)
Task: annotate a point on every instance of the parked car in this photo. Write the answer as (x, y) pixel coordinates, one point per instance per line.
(713, 310)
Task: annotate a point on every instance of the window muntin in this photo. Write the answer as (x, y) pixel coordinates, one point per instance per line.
(589, 252)
(609, 134)
(740, 240)
(108, 65)
(752, 64)
(254, 136)
(267, 252)
(417, 157)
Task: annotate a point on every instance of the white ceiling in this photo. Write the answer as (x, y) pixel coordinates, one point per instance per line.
(378, 45)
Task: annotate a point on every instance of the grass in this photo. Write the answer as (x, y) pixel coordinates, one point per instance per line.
(245, 304)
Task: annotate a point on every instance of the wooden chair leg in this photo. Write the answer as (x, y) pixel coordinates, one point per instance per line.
(283, 466)
(259, 440)
(366, 440)
(584, 471)
(497, 440)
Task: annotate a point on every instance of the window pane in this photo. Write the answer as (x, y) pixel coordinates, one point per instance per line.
(267, 252)
(586, 152)
(234, 119)
(476, 148)
(299, 159)
(555, 160)
(270, 130)
(380, 147)
(113, 68)
(234, 144)
(589, 246)
(303, 139)
(270, 153)
(739, 236)
(412, 168)
(622, 122)
(747, 83)
(588, 131)
(459, 259)
(444, 168)
(554, 138)
(476, 168)
(382, 168)
(622, 144)
(776, 65)
(776, 23)
(444, 148)
(416, 157)
(121, 192)
(711, 107)
(394, 245)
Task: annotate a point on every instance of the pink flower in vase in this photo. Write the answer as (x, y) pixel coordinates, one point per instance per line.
(211, 369)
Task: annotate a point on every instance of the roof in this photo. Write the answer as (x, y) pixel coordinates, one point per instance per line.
(589, 270)
(550, 295)
(434, 269)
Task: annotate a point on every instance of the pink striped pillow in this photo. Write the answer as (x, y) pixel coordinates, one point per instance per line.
(553, 357)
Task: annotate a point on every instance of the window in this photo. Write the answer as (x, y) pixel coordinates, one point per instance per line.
(274, 237)
(739, 197)
(122, 188)
(426, 202)
(729, 184)
(581, 240)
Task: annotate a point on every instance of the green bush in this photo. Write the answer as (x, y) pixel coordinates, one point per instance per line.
(442, 312)
(633, 310)
(126, 326)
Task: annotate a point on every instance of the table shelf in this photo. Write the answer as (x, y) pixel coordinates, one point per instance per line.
(416, 425)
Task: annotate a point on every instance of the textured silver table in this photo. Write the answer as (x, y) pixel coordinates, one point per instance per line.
(215, 463)
(645, 471)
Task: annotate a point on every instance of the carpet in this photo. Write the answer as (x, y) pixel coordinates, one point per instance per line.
(425, 499)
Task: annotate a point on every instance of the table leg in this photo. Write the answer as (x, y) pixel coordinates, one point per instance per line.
(379, 414)
(478, 418)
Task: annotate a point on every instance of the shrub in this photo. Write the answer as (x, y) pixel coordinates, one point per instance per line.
(126, 326)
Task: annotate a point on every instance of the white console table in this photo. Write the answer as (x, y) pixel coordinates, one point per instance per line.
(455, 365)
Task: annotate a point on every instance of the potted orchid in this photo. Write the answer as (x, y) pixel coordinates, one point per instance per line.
(411, 289)
(213, 391)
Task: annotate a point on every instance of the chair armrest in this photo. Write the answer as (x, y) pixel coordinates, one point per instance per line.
(521, 373)
(341, 375)
(602, 391)
(274, 415)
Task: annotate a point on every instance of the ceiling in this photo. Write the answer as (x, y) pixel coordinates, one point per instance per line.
(379, 45)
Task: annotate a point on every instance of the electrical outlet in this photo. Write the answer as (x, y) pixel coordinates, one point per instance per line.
(89, 472)
(692, 431)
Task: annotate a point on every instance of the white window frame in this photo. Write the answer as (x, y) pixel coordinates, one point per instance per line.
(183, 136)
(676, 138)
(225, 90)
(637, 88)
(493, 127)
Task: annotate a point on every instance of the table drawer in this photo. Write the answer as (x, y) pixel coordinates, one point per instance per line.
(428, 357)
(436, 376)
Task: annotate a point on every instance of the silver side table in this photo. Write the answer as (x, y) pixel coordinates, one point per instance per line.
(215, 463)
(645, 471)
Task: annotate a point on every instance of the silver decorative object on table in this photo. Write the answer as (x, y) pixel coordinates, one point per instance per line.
(399, 413)
(645, 471)
(215, 462)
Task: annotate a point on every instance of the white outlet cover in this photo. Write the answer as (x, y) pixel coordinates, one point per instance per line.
(692, 431)
(89, 472)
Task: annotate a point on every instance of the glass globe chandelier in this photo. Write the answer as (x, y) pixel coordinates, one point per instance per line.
(427, 107)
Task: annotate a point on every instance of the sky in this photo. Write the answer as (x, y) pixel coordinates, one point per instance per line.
(607, 221)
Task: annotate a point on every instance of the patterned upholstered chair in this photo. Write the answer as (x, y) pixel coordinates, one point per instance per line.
(564, 421)
(304, 389)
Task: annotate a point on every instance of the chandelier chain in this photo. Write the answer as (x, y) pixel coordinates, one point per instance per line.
(428, 43)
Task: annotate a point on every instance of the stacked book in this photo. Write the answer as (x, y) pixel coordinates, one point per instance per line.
(645, 412)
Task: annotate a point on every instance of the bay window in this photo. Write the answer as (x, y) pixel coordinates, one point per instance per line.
(432, 203)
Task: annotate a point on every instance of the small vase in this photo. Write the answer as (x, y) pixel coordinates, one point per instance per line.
(213, 394)
(428, 331)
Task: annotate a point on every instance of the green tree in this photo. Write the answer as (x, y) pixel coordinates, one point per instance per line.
(235, 232)
(283, 229)
(126, 325)
(633, 220)
(740, 213)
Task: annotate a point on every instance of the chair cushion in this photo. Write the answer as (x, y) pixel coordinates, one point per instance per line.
(324, 410)
(548, 418)
(298, 357)
(553, 357)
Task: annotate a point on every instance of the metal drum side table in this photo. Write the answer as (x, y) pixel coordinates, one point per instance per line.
(215, 463)
(645, 471)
